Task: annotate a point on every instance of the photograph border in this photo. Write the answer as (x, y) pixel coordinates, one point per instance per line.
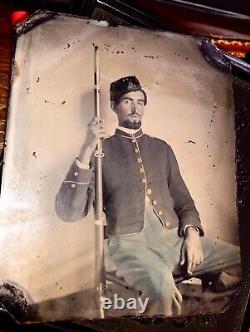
(232, 319)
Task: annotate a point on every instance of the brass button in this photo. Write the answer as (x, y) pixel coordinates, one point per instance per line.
(133, 140)
(72, 185)
(139, 160)
(154, 202)
(76, 173)
(143, 180)
(136, 151)
(167, 223)
(141, 170)
(160, 213)
(149, 191)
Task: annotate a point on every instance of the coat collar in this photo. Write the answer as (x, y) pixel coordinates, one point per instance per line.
(122, 133)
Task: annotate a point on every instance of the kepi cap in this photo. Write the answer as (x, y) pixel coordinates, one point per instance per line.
(124, 85)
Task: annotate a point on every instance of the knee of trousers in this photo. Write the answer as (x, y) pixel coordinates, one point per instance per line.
(231, 259)
(162, 288)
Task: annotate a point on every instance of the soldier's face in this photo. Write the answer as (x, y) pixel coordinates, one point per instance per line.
(130, 109)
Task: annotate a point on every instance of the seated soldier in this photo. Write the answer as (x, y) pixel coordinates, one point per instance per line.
(153, 226)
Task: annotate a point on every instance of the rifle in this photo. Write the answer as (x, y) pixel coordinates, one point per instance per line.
(99, 222)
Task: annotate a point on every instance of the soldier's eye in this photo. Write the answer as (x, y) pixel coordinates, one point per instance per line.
(140, 103)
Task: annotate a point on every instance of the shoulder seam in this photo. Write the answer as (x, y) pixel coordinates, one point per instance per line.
(157, 139)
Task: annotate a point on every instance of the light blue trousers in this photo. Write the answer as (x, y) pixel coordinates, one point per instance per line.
(149, 260)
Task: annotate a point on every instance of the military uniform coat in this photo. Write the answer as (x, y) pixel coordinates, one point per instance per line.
(133, 166)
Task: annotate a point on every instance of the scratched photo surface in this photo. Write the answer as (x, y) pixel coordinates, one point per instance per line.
(153, 214)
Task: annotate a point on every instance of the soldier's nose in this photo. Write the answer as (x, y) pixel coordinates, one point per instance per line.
(135, 107)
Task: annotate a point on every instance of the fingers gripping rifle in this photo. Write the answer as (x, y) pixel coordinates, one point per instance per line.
(99, 221)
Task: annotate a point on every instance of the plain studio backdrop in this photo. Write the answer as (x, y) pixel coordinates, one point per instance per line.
(189, 106)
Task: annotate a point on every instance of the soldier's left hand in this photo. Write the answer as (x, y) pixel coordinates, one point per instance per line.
(191, 251)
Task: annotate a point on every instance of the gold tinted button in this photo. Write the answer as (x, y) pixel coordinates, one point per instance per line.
(72, 185)
(133, 140)
(143, 180)
(149, 191)
(154, 202)
(167, 223)
(76, 173)
(141, 170)
(160, 213)
(136, 151)
(139, 160)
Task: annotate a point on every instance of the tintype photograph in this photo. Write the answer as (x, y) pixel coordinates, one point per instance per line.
(118, 192)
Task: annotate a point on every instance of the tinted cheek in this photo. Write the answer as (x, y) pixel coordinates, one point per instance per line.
(126, 110)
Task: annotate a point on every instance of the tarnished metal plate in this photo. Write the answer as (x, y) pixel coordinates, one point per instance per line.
(190, 106)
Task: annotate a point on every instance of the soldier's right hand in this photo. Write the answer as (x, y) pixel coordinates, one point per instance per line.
(96, 130)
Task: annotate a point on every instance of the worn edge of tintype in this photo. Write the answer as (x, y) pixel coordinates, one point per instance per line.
(241, 85)
(222, 61)
(5, 77)
(42, 16)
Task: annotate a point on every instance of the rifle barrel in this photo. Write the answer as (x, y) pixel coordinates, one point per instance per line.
(99, 222)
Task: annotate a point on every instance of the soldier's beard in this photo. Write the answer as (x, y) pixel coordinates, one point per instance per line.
(131, 124)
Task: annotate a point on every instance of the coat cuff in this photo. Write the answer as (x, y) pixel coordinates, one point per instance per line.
(78, 176)
(81, 165)
(186, 227)
(188, 223)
